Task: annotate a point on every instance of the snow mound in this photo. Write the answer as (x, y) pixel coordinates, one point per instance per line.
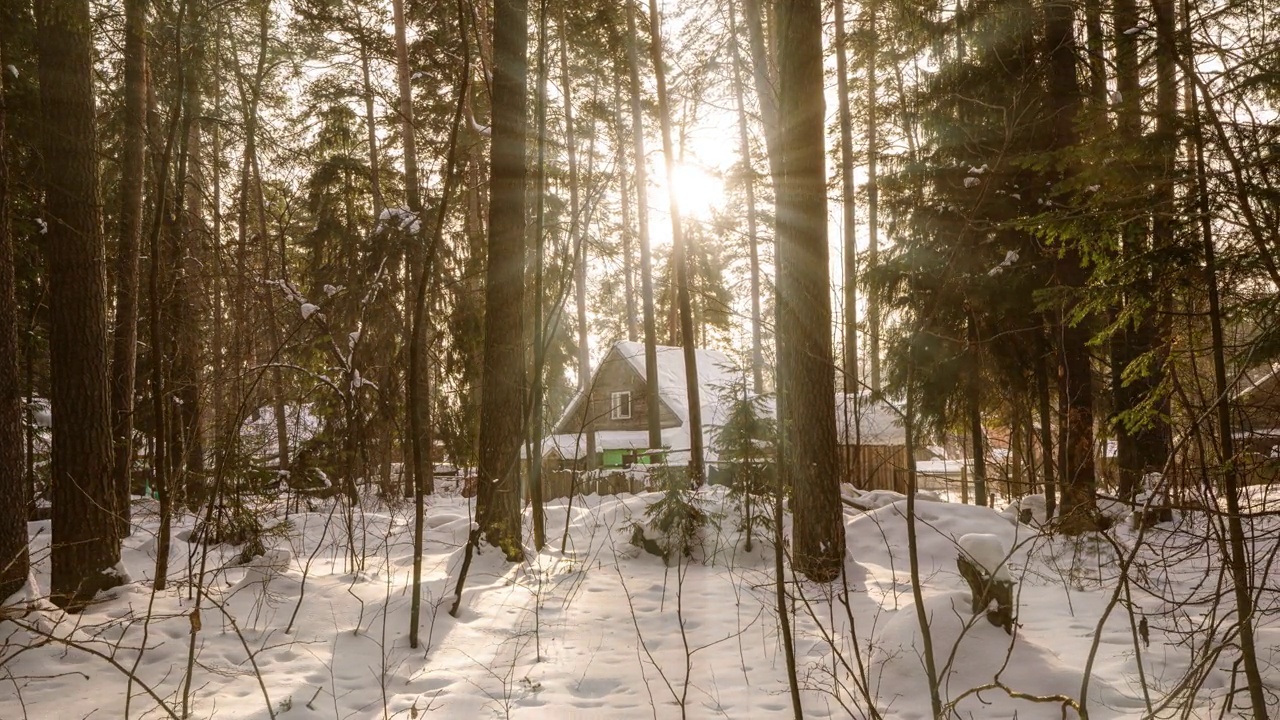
(968, 653)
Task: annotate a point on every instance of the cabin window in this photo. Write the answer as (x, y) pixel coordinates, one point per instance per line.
(620, 404)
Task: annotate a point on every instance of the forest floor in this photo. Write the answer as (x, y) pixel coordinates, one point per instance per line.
(318, 626)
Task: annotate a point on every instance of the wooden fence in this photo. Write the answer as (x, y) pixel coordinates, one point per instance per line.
(561, 483)
(874, 467)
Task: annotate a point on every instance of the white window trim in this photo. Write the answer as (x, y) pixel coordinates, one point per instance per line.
(615, 405)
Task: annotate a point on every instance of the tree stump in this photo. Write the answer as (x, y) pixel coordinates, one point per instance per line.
(984, 589)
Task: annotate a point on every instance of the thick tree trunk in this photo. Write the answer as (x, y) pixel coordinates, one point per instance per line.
(85, 547)
(806, 386)
(679, 258)
(502, 387)
(14, 490)
(642, 224)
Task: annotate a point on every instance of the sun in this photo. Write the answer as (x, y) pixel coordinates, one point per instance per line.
(698, 191)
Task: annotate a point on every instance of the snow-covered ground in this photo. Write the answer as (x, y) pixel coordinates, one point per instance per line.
(603, 629)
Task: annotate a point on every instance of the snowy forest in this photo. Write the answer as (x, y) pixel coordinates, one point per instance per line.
(640, 359)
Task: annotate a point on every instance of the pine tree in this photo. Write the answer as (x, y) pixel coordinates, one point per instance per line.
(85, 545)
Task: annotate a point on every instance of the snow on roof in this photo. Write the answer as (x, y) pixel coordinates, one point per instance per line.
(715, 371)
(877, 422)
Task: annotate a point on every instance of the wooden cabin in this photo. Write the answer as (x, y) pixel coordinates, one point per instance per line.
(606, 426)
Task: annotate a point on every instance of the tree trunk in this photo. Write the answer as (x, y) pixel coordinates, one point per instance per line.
(1243, 582)
(1126, 343)
(502, 387)
(679, 258)
(806, 387)
(1079, 509)
(749, 189)
(14, 490)
(850, 314)
(575, 223)
(124, 337)
(762, 77)
(624, 230)
(419, 400)
(642, 223)
(1154, 441)
(85, 547)
(375, 181)
(539, 335)
(1046, 428)
(973, 405)
(873, 193)
(186, 450)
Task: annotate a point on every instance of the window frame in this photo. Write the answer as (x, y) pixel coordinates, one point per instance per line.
(615, 405)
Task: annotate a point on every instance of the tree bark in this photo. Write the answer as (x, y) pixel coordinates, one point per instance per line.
(850, 245)
(1079, 509)
(14, 490)
(124, 340)
(624, 195)
(806, 386)
(642, 223)
(973, 405)
(679, 258)
(1048, 461)
(502, 387)
(873, 192)
(85, 547)
(375, 175)
(749, 189)
(575, 222)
